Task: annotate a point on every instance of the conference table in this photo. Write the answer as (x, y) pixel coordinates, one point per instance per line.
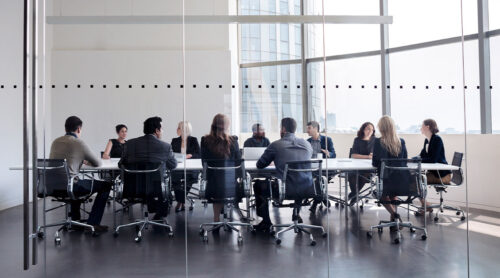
(330, 166)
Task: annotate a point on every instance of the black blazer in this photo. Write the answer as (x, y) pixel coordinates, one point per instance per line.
(434, 154)
(192, 147)
(379, 153)
(206, 152)
(148, 148)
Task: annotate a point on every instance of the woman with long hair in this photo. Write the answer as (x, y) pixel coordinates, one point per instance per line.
(218, 144)
(362, 148)
(389, 145)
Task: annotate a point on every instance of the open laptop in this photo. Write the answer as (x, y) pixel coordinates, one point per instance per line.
(179, 157)
(253, 153)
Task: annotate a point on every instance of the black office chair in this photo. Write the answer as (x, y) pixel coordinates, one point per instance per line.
(301, 180)
(456, 180)
(141, 183)
(399, 179)
(227, 182)
(54, 180)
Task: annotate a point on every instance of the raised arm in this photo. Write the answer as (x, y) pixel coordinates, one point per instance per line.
(90, 157)
(107, 150)
(267, 157)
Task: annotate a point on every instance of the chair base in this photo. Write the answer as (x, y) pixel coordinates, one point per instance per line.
(64, 225)
(296, 227)
(398, 225)
(226, 224)
(144, 224)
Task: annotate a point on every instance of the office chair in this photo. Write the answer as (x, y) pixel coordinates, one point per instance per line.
(141, 183)
(54, 180)
(398, 179)
(227, 182)
(456, 180)
(301, 180)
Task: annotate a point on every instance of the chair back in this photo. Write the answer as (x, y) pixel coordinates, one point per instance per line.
(457, 177)
(301, 180)
(397, 178)
(350, 153)
(224, 180)
(53, 178)
(141, 180)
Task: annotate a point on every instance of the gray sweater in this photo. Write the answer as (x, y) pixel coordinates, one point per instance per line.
(75, 151)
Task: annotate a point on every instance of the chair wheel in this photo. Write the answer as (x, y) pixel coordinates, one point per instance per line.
(424, 237)
(205, 239)
(361, 207)
(253, 231)
(380, 230)
(342, 206)
(191, 208)
(240, 239)
(170, 234)
(457, 213)
(272, 232)
(202, 232)
(324, 234)
(95, 234)
(138, 239)
(136, 228)
(313, 243)
(366, 201)
(278, 241)
(336, 205)
(65, 228)
(57, 241)
(412, 230)
(379, 205)
(396, 241)
(436, 218)
(462, 218)
(369, 234)
(115, 234)
(40, 235)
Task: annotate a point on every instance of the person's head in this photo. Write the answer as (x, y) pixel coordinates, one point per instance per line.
(258, 131)
(429, 127)
(184, 129)
(153, 126)
(288, 125)
(121, 130)
(73, 124)
(367, 130)
(313, 128)
(219, 140)
(388, 136)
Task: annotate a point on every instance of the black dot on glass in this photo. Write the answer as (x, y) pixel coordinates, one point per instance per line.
(350, 86)
(233, 86)
(78, 86)
(168, 86)
(285, 86)
(414, 87)
(1, 86)
(375, 87)
(362, 86)
(53, 86)
(440, 87)
(272, 86)
(400, 86)
(388, 86)
(220, 86)
(207, 86)
(478, 87)
(298, 86)
(453, 87)
(91, 86)
(426, 87)
(142, 86)
(156, 86)
(104, 86)
(324, 86)
(246, 86)
(465, 87)
(260, 86)
(40, 87)
(65, 86)
(15, 86)
(130, 86)
(182, 86)
(194, 85)
(311, 86)
(337, 86)
(117, 86)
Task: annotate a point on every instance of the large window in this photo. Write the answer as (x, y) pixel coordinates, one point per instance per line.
(495, 82)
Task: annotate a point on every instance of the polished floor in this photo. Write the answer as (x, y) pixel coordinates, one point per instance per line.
(347, 252)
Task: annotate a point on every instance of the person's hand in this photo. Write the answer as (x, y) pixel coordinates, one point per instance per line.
(106, 156)
(188, 156)
(325, 152)
(271, 164)
(370, 156)
(86, 162)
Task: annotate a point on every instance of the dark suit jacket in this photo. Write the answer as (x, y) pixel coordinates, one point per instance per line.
(148, 148)
(326, 144)
(435, 153)
(206, 152)
(192, 148)
(380, 152)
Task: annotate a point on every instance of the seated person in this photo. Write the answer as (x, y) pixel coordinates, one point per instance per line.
(362, 148)
(220, 145)
(149, 148)
(320, 144)
(114, 148)
(288, 148)
(187, 145)
(76, 153)
(258, 138)
(389, 145)
(433, 152)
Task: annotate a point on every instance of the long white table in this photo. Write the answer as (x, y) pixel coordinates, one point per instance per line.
(331, 164)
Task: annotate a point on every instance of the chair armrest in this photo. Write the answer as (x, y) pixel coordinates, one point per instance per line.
(281, 190)
(247, 182)
(165, 186)
(118, 188)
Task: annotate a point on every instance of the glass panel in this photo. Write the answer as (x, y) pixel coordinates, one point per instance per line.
(416, 22)
(432, 88)
(269, 42)
(270, 94)
(494, 7)
(495, 82)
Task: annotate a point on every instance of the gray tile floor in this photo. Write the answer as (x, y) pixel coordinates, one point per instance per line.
(346, 252)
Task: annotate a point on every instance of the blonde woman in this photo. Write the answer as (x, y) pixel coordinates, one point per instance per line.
(389, 145)
(188, 145)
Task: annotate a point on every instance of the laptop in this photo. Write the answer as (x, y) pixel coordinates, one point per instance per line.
(179, 157)
(253, 153)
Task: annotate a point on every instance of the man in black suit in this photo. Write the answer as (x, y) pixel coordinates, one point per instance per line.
(149, 148)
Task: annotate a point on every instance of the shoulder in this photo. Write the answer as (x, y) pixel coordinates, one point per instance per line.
(437, 138)
(193, 139)
(234, 137)
(403, 143)
(309, 139)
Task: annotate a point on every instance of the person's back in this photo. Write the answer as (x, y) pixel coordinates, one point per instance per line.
(148, 148)
(74, 150)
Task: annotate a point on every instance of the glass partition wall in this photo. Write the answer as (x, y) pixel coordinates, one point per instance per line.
(331, 75)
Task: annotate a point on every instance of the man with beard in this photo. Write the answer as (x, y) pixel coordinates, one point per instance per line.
(258, 140)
